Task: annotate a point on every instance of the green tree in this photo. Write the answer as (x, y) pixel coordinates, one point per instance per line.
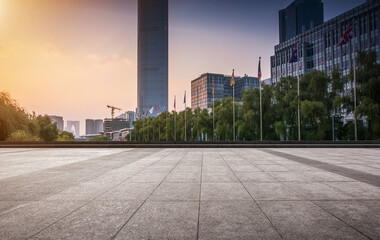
(100, 139)
(48, 131)
(285, 104)
(12, 116)
(316, 106)
(368, 92)
(64, 136)
(22, 136)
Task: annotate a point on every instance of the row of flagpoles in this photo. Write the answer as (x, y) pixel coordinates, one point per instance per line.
(232, 84)
(347, 36)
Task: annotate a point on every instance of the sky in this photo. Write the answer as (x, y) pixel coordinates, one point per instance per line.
(73, 57)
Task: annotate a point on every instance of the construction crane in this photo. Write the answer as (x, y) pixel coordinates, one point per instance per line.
(113, 110)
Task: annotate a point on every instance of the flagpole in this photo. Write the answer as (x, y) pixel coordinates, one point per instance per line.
(261, 105)
(166, 126)
(185, 117)
(143, 127)
(233, 106)
(354, 63)
(153, 133)
(298, 87)
(198, 112)
(175, 119)
(213, 111)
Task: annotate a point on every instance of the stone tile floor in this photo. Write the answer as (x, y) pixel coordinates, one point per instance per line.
(189, 193)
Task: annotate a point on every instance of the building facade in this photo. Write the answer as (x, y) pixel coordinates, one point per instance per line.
(152, 83)
(90, 126)
(94, 126)
(317, 46)
(73, 124)
(299, 17)
(116, 124)
(98, 126)
(201, 88)
(58, 120)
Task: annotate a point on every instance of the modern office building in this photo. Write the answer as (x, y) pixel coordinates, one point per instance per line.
(73, 124)
(298, 17)
(94, 126)
(152, 81)
(267, 81)
(130, 117)
(90, 126)
(58, 120)
(98, 126)
(201, 88)
(317, 46)
(116, 124)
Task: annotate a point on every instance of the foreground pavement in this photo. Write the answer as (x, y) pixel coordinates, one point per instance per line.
(189, 193)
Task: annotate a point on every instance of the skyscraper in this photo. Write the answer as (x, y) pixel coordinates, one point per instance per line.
(152, 83)
(298, 17)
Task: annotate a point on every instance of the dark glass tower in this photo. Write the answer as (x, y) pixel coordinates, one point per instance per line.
(298, 17)
(152, 83)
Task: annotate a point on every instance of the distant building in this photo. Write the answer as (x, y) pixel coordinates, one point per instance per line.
(94, 126)
(318, 46)
(299, 17)
(58, 120)
(267, 81)
(116, 124)
(130, 117)
(90, 126)
(245, 83)
(201, 88)
(73, 124)
(98, 126)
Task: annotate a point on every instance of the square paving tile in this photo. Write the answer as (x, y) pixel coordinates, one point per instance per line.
(271, 191)
(96, 220)
(362, 215)
(169, 191)
(305, 220)
(224, 191)
(234, 220)
(255, 177)
(30, 219)
(163, 220)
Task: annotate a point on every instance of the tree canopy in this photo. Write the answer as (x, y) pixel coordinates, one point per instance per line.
(322, 101)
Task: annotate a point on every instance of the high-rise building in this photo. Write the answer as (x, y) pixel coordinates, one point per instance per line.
(152, 84)
(73, 124)
(58, 120)
(98, 126)
(318, 48)
(298, 17)
(201, 88)
(94, 126)
(90, 126)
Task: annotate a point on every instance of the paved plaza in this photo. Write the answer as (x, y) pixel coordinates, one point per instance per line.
(192, 193)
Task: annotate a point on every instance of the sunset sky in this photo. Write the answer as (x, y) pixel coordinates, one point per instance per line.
(73, 57)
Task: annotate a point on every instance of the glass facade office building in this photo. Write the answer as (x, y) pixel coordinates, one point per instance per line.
(299, 17)
(201, 88)
(317, 47)
(152, 83)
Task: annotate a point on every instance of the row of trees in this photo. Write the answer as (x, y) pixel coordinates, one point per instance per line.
(18, 125)
(322, 100)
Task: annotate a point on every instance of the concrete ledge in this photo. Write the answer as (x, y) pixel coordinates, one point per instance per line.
(253, 144)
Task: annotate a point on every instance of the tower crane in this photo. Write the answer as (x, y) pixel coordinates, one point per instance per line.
(113, 110)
